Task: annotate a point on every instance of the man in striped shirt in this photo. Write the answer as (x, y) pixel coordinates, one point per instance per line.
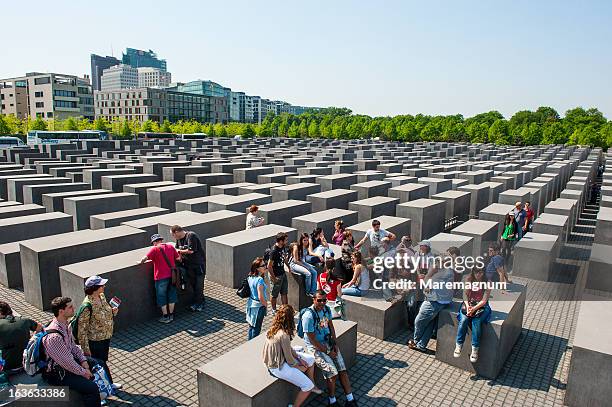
(67, 364)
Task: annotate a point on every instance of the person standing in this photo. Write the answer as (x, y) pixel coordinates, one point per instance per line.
(95, 323)
(66, 363)
(529, 216)
(257, 304)
(276, 270)
(521, 218)
(189, 246)
(164, 258)
(253, 220)
(14, 336)
(509, 235)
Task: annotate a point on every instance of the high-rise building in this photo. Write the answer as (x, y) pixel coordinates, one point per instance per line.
(119, 77)
(47, 95)
(98, 64)
(153, 78)
(138, 59)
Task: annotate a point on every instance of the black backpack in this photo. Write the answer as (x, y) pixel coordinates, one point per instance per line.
(244, 291)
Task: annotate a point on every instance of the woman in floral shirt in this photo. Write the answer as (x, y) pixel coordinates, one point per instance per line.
(95, 322)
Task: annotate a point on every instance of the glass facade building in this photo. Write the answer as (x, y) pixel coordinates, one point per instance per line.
(99, 64)
(138, 59)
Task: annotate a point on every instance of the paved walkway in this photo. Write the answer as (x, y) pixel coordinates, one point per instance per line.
(157, 362)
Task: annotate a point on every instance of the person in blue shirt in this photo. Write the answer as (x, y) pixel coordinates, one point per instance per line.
(320, 339)
(256, 304)
(520, 215)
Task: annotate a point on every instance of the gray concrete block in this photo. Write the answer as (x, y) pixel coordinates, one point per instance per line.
(336, 181)
(375, 316)
(400, 180)
(603, 228)
(551, 224)
(229, 256)
(34, 193)
(436, 185)
(277, 177)
(82, 207)
(281, 213)
(295, 191)
(426, 215)
(457, 204)
(211, 179)
(534, 256)
(497, 338)
(110, 219)
(495, 188)
(94, 176)
(141, 189)
(496, 212)
(250, 174)
(335, 198)
(16, 186)
(10, 265)
(479, 198)
(371, 208)
(31, 226)
(409, 192)
(178, 174)
(42, 257)
(483, 232)
(54, 202)
(229, 189)
(20, 210)
(325, 220)
(599, 274)
(205, 225)
(166, 197)
(238, 203)
(366, 176)
(442, 241)
(116, 183)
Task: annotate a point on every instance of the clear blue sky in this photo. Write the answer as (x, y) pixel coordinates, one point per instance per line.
(376, 58)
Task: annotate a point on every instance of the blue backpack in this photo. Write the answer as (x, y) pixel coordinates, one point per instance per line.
(34, 357)
(315, 316)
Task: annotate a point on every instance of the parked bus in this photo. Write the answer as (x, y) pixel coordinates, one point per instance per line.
(55, 137)
(155, 136)
(10, 141)
(192, 136)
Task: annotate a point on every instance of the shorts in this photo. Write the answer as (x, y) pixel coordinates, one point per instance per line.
(329, 366)
(165, 292)
(281, 286)
(294, 375)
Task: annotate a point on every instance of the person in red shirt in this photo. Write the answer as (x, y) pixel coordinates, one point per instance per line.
(164, 257)
(330, 281)
(529, 217)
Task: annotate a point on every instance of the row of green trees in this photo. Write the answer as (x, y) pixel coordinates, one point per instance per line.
(543, 126)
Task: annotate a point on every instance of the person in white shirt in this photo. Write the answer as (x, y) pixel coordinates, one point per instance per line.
(378, 237)
(252, 220)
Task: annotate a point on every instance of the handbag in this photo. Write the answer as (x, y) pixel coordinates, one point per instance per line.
(176, 278)
(244, 291)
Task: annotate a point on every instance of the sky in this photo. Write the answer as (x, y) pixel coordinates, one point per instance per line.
(377, 58)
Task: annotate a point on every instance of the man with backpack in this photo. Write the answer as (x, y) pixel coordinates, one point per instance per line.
(164, 257)
(66, 363)
(316, 327)
(189, 246)
(279, 257)
(14, 336)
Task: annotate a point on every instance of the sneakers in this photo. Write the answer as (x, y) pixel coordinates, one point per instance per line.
(170, 317)
(316, 390)
(117, 386)
(457, 352)
(474, 355)
(164, 319)
(414, 346)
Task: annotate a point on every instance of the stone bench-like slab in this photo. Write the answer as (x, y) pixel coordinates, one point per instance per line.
(239, 203)
(116, 183)
(34, 193)
(81, 208)
(374, 315)
(496, 212)
(228, 189)
(141, 189)
(259, 188)
(23, 174)
(374, 207)
(535, 255)
(54, 202)
(210, 179)
(166, 197)
(588, 380)
(396, 225)
(282, 213)
(335, 198)
(497, 337)
(110, 219)
(94, 176)
(42, 257)
(151, 224)
(205, 225)
(483, 232)
(20, 210)
(599, 274)
(221, 381)
(336, 181)
(32, 226)
(551, 224)
(16, 186)
(229, 256)
(250, 174)
(325, 220)
(426, 215)
(295, 191)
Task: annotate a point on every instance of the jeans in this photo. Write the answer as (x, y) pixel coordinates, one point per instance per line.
(425, 321)
(413, 306)
(475, 322)
(312, 260)
(256, 330)
(86, 388)
(99, 350)
(352, 290)
(309, 273)
(195, 279)
(165, 292)
(324, 251)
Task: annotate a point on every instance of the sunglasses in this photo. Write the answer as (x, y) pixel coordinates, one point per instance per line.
(322, 300)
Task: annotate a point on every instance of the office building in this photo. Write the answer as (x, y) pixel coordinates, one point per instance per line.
(159, 104)
(47, 95)
(206, 88)
(119, 77)
(98, 64)
(153, 78)
(138, 59)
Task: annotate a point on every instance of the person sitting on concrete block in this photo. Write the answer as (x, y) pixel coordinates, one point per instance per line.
(474, 312)
(14, 336)
(339, 229)
(319, 245)
(436, 299)
(298, 265)
(285, 362)
(279, 258)
(189, 246)
(330, 281)
(320, 338)
(164, 258)
(252, 220)
(378, 237)
(360, 283)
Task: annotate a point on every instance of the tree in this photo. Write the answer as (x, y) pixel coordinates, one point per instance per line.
(293, 130)
(4, 128)
(101, 124)
(126, 130)
(38, 124)
(554, 133)
(313, 129)
(165, 127)
(70, 124)
(248, 131)
(498, 132)
(606, 134)
(147, 126)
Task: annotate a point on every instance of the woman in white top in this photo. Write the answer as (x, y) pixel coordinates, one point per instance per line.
(360, 282)
(252, 220)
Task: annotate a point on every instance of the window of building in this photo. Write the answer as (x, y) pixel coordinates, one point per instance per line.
(49, 114)
(38, 94)
(42, 81)
(64, 93)
(83, 90)
(40, 104)
(64, 103)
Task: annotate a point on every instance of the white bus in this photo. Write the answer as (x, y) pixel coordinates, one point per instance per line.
(9, 141)
(56, 137)
(192, 136)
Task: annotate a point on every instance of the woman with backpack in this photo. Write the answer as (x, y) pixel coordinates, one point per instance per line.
(256, 305)
(283, 361)
(92, 326)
